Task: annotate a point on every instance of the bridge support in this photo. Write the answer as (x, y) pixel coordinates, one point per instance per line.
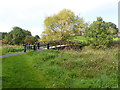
(38, 44)
(47, 45)
(34, 47)
(24, 47)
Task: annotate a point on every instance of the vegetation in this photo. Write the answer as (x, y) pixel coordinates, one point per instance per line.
(30, 40)
(8, 49)
(83, 39)
(2, 35)
(37, 37)
(100, 34)
(88, 68)
(78, 38)
(60, 26)
(17, 36)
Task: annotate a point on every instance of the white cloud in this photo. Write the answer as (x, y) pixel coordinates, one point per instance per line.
(5, 27)
(35, 31)
(30, 14)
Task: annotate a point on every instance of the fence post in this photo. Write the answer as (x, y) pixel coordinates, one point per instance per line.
(64, 42)
(24, 47)
(34, 47)
(68, 43)
(80, 45)
(28, 46)
(47, 45)
(60, 43)
(38, 45)
(55, 44)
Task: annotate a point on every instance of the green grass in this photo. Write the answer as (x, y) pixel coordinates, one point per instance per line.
(18, 72)
(11, 49)
(82, 38)
(87, 68)
(115, 39)
(78, 38)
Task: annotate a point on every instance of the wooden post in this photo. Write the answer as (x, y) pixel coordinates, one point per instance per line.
(60, 43)
(24, 47)
(28, 46)
(34, 47)
(55, 44)
(38, 44)
(77, 45)
(68, 45)
(71, 42)
(64, 42)
(47, 45)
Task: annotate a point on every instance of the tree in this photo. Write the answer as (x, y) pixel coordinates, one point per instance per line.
(17, 35)
(37, 37)
(2, 34)
(30, 40)
(100, 33)
(60, 26)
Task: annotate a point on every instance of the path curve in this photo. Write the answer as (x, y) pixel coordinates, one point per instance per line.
(13, 54)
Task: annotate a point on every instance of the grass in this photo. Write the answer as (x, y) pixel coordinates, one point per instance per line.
(115, 39)
(7, 49)
(87, 68)
(83, 39)
(78, 38)
(19, 73)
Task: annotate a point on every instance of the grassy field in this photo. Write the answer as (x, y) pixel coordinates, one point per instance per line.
(86, 68)
(7, 49)
(78, 38)
(82, 38)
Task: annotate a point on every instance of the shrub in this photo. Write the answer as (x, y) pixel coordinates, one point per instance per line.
(30, 40)
(100, 34)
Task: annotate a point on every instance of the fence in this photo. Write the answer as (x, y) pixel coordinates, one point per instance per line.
(59, 44)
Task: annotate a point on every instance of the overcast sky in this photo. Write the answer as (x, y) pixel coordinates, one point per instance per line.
(30, 14)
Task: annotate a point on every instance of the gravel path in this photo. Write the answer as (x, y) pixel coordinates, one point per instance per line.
(13, 54)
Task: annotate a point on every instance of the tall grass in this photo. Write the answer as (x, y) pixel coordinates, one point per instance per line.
(87, 68)
(7, 49)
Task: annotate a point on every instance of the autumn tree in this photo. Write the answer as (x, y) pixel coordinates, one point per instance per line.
(30, 40)
(61, 25)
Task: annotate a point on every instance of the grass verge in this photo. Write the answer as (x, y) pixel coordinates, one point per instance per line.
(88, 68)
(8, 49)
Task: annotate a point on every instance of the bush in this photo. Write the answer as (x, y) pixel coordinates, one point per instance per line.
(100, 34)
(11, 49)
(30, 40)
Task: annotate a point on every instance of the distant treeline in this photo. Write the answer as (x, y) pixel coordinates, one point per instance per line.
(18, 36)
